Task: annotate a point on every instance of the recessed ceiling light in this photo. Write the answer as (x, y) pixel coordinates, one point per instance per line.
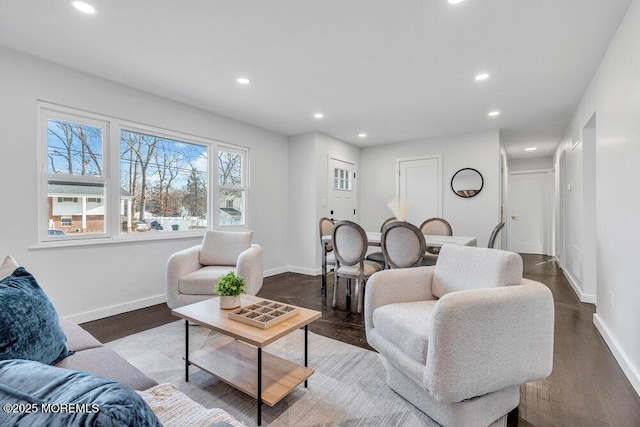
(362, 135)
(243, 80)
(481, 77)
(455, 1)
(84, 7)
(531, 149)
(494, 113)
(318, 115)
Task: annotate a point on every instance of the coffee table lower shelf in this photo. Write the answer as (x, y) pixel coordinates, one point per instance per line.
(236, 363)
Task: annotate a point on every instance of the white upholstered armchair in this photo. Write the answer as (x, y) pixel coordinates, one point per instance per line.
(460, 337)
(192, 273)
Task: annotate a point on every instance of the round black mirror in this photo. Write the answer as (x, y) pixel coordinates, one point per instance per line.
(467, 182)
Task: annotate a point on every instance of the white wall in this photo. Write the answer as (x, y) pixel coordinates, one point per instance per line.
(613, 95)
(530, 163)
(309, 155)
(476, 216)
(303, 224)
(91, 282)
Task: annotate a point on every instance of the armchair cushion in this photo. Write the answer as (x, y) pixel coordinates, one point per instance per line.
(202, 281)
(462, 268)
(223, 247)
(406, 325)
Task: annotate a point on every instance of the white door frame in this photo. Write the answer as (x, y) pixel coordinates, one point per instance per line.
(438, 157)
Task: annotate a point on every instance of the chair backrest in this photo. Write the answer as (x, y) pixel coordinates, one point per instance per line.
(403, 245)
(494, 235)
(224, 247)
(436, 227)
(465, 267)
(387, 221)
(349, 242)
(326, 229)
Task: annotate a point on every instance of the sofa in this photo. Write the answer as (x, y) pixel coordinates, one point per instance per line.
(48, 360)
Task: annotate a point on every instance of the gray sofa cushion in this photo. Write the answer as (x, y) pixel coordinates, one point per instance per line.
(203, 280)
(406, 325)
(106, 363)
(77, 338)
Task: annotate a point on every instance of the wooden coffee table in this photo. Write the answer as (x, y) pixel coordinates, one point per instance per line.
(261, 375)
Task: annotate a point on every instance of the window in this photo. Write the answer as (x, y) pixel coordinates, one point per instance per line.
(231, 186)
(106, 178)
(74, 172)
(164, 181)
(341, 179)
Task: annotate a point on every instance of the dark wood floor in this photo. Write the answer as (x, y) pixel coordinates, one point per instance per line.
(587, 386)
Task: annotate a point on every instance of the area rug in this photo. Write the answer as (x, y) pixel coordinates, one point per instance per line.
(347, 389)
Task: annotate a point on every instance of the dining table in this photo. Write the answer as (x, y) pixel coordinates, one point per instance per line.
(374, 238)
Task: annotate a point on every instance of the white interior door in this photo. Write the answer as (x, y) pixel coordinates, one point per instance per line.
(419, 187)
(342, 186)
(527, 212)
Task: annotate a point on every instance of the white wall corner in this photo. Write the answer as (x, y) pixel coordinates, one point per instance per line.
(274, 271)
(623, 360)
(112, 310)
(586, 298)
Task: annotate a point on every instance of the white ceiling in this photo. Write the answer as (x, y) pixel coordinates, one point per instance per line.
(397, 70)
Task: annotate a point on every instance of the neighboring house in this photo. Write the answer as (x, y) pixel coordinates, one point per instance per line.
(79, 208)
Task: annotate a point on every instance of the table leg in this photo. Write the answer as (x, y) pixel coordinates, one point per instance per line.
(186, 351)
(259, 391)
(306, 349)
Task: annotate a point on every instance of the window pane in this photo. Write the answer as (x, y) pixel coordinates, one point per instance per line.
(164, 184)
(231, 207)
(229, 169)
(69, 209)
(74, 149)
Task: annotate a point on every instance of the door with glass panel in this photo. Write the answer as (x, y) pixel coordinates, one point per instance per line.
(342, 190)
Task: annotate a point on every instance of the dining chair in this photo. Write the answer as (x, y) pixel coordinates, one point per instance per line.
(494, 235)
(403, 245)
(435, 227)
(350, 247)
(378, 256)
(328, 256)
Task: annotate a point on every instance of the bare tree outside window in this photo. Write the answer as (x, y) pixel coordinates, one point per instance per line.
(163, 177)
(73, 148)
(231, 190)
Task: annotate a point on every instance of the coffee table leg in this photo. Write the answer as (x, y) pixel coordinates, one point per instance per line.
(186, 351)
(259, 391)
(306, 349)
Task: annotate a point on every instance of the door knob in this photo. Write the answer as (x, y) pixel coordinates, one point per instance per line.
(514, 217)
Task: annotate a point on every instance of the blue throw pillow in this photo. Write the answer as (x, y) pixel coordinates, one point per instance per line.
(29, 325)
(34, 394)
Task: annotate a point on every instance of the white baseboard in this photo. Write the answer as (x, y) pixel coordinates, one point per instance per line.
(101, 313)
(305, 271)
(275, 271)
(621, 357)
(112, 310)
(587, 298)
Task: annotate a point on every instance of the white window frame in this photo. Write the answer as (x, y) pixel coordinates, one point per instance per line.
(81, 118)
(112, 128)
(244, 153)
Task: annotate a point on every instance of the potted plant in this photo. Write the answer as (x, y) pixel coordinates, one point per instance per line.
(230, 287)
